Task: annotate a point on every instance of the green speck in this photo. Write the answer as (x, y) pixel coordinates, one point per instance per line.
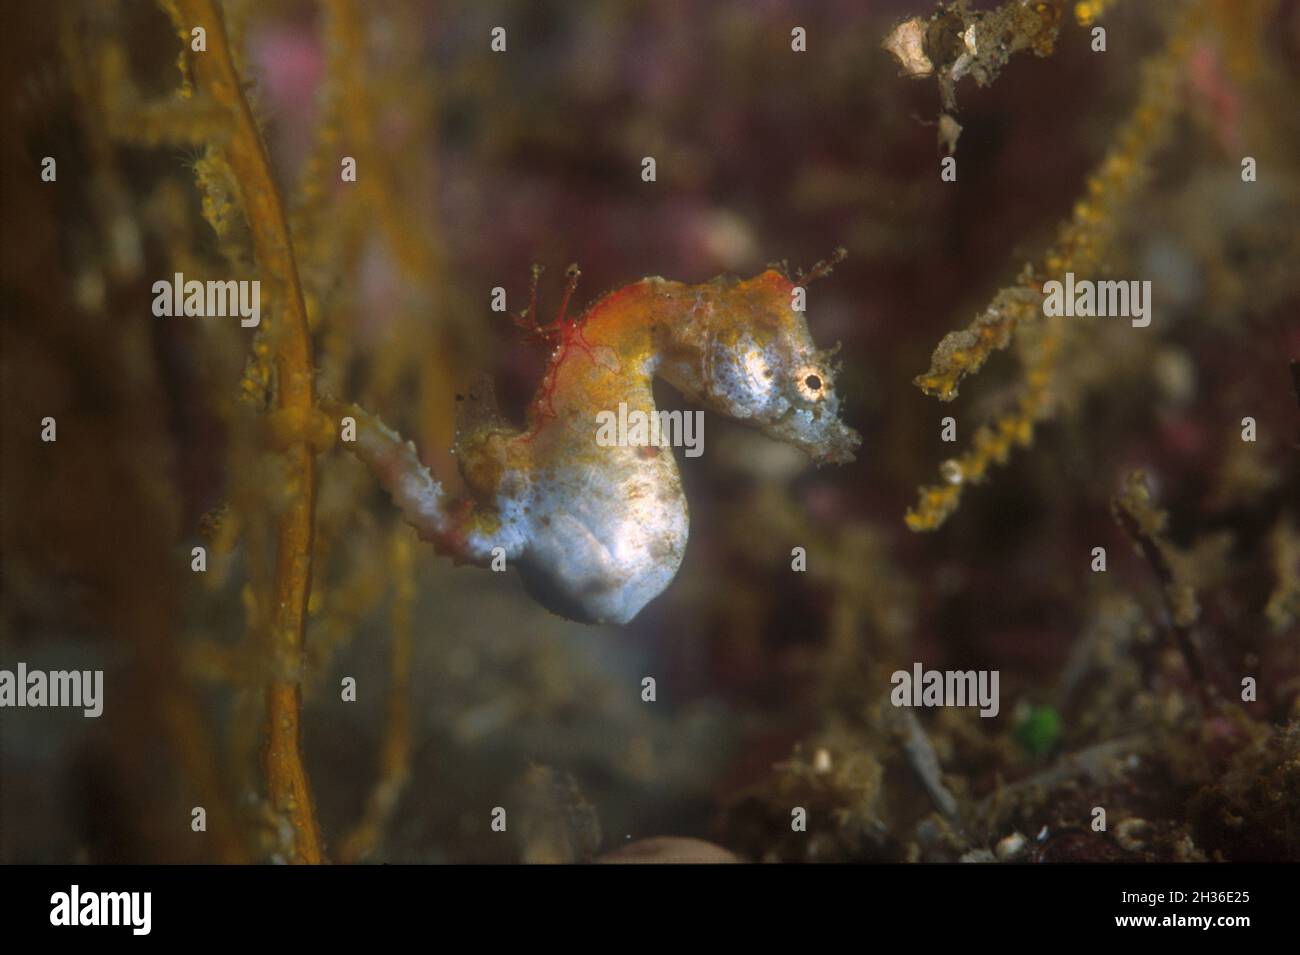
(1039, 730)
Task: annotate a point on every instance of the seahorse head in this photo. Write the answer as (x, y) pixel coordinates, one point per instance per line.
(753, 359)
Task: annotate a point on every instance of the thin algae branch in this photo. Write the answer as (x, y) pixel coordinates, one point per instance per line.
(1145, 525)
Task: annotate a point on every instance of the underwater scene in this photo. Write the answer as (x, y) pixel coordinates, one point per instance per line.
(650, 431)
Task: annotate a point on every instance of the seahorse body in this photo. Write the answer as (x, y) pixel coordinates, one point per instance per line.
(596, 532)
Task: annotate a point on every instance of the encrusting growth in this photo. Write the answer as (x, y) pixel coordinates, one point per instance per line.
(957, 41)
(598, 530)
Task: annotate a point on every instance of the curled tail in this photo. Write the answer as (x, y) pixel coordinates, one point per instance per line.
(418, 495)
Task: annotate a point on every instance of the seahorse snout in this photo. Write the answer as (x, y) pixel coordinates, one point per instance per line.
(819, 433)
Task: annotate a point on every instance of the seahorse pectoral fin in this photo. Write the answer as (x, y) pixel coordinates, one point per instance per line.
(477, 412)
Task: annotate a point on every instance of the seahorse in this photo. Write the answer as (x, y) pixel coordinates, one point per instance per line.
(597, 532)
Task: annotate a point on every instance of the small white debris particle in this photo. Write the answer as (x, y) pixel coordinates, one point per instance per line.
(907, 43)
(1011, 846)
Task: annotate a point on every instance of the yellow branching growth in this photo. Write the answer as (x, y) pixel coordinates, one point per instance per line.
(995, 440)
(1081, 247)
(215, 75)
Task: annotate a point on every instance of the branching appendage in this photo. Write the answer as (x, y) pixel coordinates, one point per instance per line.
(214, 73)
(562, 334)
(1081, 247)
(823, 268)
(1145, 524)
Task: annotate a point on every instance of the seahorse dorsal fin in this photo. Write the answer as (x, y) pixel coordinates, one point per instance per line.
(477, 411)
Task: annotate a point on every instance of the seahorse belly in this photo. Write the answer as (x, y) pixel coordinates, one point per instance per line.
(603, 541)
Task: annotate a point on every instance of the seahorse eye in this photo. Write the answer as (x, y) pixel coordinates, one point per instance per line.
(811, 383)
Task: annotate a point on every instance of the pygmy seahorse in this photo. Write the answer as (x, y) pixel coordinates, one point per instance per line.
(596, 532)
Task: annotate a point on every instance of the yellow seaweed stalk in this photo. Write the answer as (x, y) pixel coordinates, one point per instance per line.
(1081, 247)
(214, 74)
